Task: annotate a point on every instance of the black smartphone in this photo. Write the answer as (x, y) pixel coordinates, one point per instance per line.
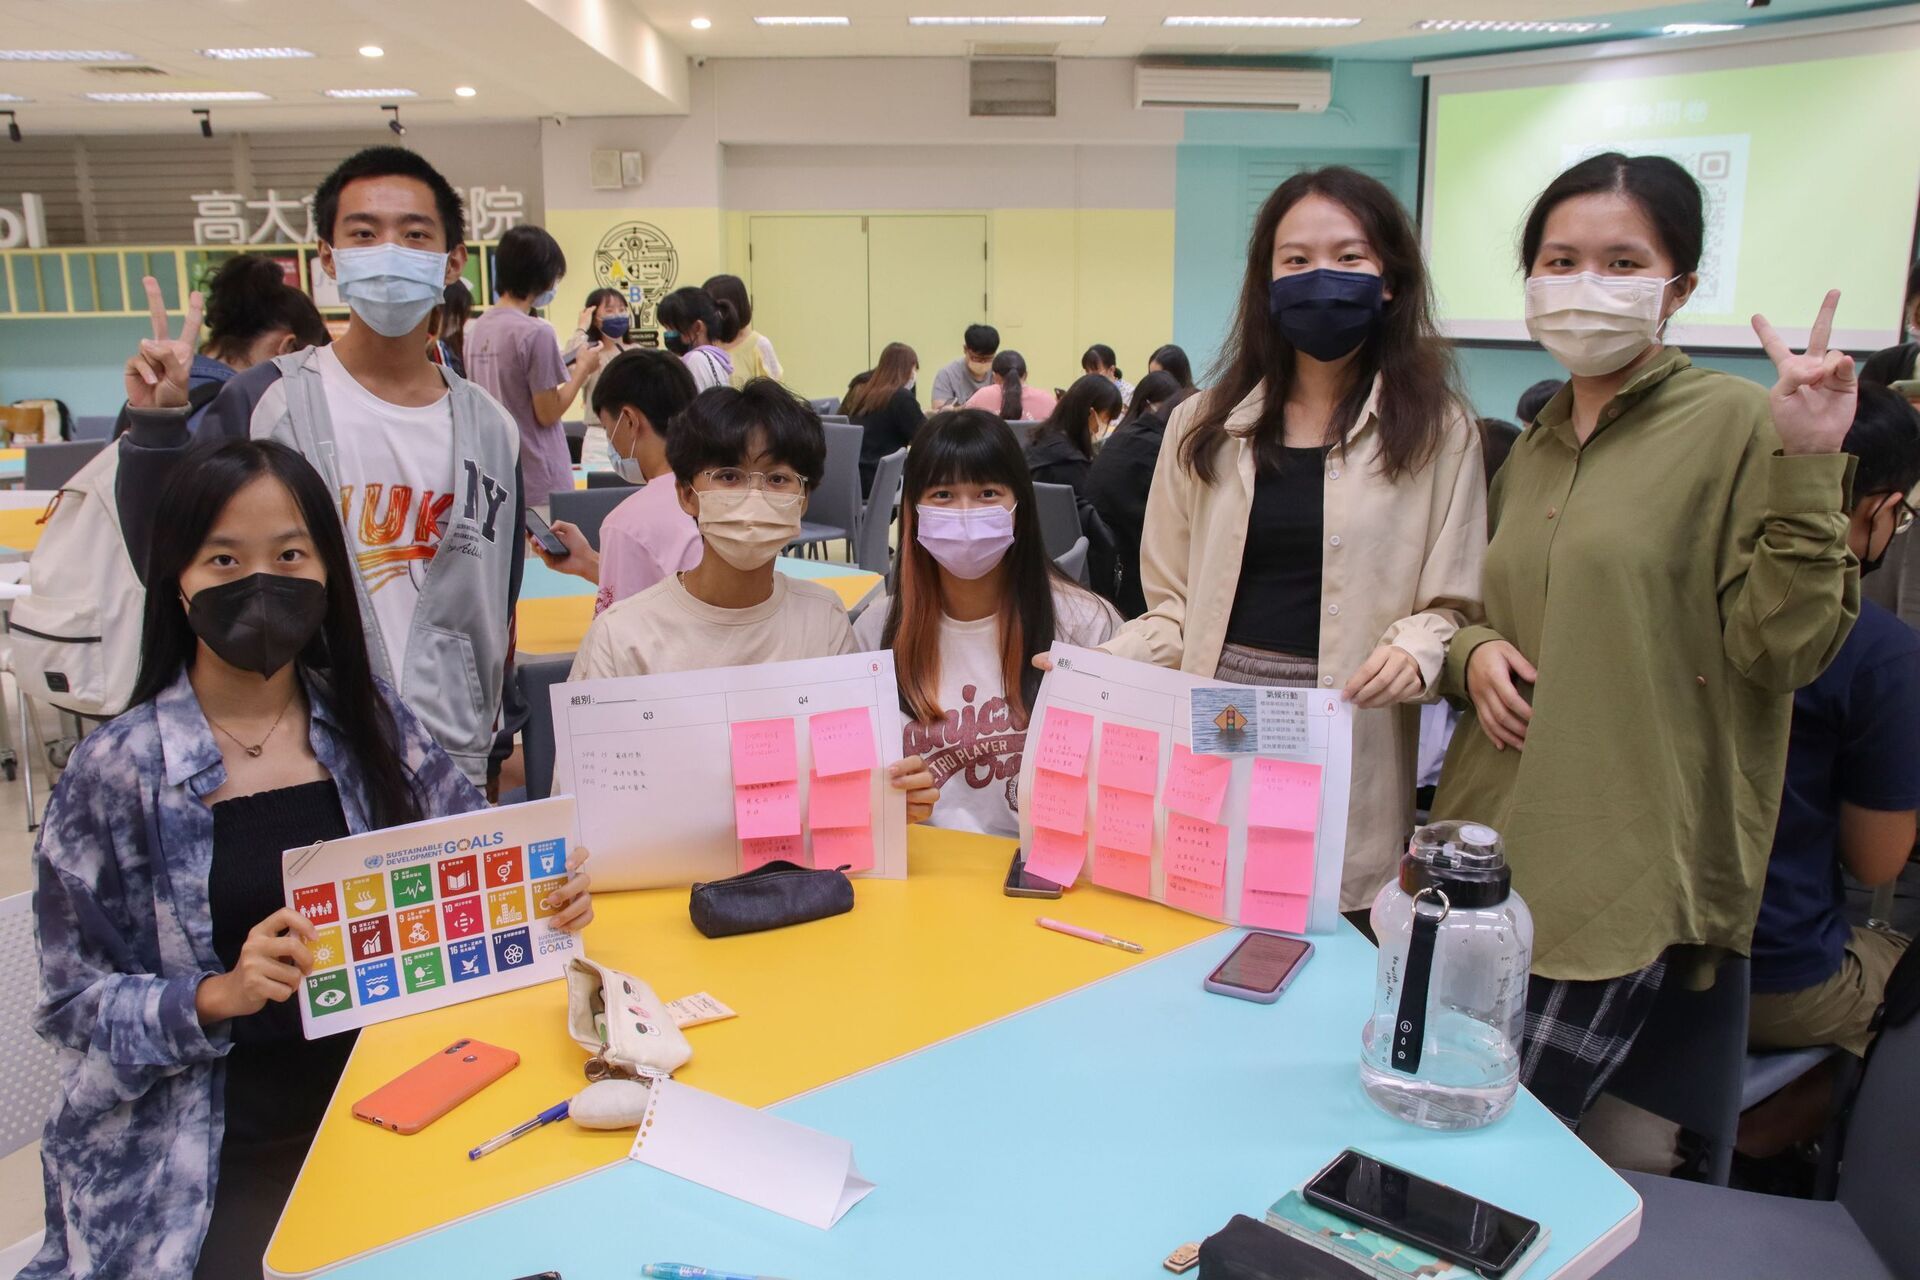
(1484, 1238)
(542, 533)
(1259, 968)
(1021, 885)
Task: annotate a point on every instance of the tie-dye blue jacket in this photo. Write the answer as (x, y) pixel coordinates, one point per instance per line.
(131, 1151)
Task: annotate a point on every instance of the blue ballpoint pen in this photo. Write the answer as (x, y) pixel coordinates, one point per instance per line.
(556, 1112)
(681, 1271)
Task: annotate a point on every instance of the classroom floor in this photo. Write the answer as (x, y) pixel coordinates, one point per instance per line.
(1629, 1139)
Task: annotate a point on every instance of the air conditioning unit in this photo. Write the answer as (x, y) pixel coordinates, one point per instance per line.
(1011, 87)
(1217, 88)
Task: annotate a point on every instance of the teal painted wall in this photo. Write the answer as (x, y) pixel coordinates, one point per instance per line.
(1376, 117)
(77, 361)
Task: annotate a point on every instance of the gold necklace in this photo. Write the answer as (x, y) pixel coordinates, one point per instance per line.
(252, 750)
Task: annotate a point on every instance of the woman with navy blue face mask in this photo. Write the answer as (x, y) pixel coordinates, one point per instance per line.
(1318, 515)
(606, 322)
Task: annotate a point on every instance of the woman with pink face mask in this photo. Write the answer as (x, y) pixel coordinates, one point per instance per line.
(975, 599)
(1668, 564)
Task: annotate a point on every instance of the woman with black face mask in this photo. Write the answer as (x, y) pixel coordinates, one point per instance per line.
(1318, 515)
(169, 966)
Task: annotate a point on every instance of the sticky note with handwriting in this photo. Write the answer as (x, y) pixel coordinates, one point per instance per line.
(755, 854)
(1279, 861)
(1196, 784)
(849, 847)
(763, 752)
(1286, 912)
(843, 800)
(1123, 820)
(842, 741)
(1129, 758)
(1058, 802)
(1196, 896)
(1285, 793)
(1056, 856)
(1064, 741)
(769, 809)
(1126, 872)
(1196, 850)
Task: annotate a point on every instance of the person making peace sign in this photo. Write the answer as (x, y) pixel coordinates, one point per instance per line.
(1668, 563)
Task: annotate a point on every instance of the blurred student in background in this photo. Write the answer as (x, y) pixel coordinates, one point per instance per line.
(1099, 358)
(885, 408)
(1173, 361)
(605, 322)
(515, 356)
(1118, 484)
(749, 349)
(1061, 451)
(696, 328)
(957, 380)
(1010, 396)
(1535, 398)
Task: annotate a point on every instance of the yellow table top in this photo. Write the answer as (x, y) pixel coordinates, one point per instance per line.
(556, 624)
(20, 529)
(917, 961)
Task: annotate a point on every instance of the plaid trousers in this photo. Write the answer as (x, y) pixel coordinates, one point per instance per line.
(1578, 1034)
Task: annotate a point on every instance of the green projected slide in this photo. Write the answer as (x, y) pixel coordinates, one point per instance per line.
(1811, 172)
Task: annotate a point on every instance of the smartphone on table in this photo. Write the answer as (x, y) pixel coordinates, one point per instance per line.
(1021, 885)
(420, 1095)
(1260, 967)
(542, 533)
(1482, 1237)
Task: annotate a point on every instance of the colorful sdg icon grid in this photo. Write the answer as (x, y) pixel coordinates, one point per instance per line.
(418, 929)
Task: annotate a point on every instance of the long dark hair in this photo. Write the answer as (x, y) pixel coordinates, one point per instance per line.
(1100, 356)
(188, 509)
(594, 300)
(1150, 393)
(679, 309)
(1173, 360)
(249, 296)
(1012, 368)
(732, 290)
(1089, 392)
(969, 446)
(1415, 368)
(1665, 192)
(894, 371)
(454, 314)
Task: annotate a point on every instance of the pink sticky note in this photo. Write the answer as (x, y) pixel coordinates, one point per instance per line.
(1196, 850)
(1056, 856)
(1058, 802)
(1286, 912)
(763, 752)
(849, 847)
(1279, 861)
(1065, 739)
(1129, 758)
(844, 800)
(1192, 895)
(842, 741)
(1123, 872)
(1284, 793)
(1197, 785)
(758, 853)
(769, 809)
(1123, 820)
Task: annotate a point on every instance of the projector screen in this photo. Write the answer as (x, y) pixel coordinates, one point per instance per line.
(1805, 139)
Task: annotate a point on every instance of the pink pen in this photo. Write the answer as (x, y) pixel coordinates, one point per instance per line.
(1075, 931)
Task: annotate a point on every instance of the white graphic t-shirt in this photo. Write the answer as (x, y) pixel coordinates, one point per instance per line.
(974, 749)
(396, 486)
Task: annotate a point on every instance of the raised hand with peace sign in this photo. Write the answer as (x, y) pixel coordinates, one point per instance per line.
(156, 378)
(1814, 398)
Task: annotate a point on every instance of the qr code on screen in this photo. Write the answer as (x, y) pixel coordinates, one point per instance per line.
(1719, 164)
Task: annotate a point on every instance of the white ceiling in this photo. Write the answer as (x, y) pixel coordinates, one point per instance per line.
(530, 58)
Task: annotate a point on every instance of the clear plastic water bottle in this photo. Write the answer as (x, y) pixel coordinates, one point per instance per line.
(1442, 1049)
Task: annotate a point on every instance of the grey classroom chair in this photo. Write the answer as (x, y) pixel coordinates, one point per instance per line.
(1059, 517)
(1872, 1232)
(1074, 563)
(49, 466)
(866, 601)
(614, 480)
(93, 427)
(588, 509)
(29, 1075)
(1023, 429)
(873, 547)
(833, 512)
(1689, 1060)
(576, 439)
(537, 676)
(825, 406)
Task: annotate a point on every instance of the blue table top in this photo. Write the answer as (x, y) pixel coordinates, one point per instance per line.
(1085, 1137)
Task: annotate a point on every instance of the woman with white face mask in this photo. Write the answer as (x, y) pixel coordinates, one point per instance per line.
(976, 598)
(1669, 562)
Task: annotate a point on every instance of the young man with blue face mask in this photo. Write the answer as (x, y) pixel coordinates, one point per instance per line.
(426, 463)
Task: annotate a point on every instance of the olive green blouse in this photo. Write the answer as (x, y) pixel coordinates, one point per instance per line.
(1673, 580)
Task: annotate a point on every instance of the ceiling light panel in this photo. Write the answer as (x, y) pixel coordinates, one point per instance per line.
(249, 55)
(371, 93)
(1698, 28)
(13, 97)
(1478, 24)
(1010, 20)
(63, 55)
(182, 95)
(1263, 21)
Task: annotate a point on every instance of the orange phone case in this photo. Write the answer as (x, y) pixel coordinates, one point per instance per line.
(420, 1095)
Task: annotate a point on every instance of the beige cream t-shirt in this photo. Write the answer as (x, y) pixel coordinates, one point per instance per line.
(665, 629)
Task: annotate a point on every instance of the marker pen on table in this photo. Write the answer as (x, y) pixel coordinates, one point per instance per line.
(681, 1271)
(1075, 931)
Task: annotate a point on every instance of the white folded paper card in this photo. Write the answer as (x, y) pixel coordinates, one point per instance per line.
(750, 1155)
